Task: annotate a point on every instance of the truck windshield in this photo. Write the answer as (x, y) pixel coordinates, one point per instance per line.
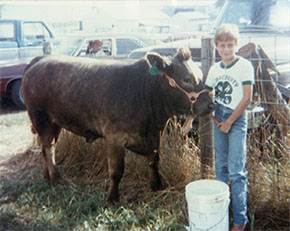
(260, 15)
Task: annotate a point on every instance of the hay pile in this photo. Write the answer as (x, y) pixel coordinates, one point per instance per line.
(86, 163)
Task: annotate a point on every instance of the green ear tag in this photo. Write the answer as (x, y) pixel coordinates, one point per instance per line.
(153, 70)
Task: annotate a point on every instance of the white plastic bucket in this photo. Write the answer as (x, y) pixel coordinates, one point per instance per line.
(208, 205)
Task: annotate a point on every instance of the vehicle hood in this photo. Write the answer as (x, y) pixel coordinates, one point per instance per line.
(13, 67)
(276, 46)
(13, 62)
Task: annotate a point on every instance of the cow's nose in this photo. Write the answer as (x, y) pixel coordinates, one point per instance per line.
(211, 106)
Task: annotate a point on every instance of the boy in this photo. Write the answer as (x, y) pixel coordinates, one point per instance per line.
(232, 80)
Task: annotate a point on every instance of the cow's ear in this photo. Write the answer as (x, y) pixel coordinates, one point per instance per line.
(183, 54)
(157, 61)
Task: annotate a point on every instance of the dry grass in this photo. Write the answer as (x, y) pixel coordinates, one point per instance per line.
(84, 167)
(269, 173)
(179, 164)
(269, 178)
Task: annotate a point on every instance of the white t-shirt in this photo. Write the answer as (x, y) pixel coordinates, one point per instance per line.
(228, 81)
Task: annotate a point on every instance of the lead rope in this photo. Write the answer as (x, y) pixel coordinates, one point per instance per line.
(189, 95)
(154, 71)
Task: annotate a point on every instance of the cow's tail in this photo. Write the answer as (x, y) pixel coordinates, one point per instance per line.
(32, 62)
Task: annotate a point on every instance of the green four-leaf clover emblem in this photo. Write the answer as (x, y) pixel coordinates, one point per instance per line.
(224, 91)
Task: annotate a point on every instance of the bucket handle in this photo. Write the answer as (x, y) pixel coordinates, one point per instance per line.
(214, 224)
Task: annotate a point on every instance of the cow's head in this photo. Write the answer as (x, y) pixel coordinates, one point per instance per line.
(186, 74)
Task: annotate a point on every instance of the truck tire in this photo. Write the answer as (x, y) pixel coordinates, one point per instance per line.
(16, 94)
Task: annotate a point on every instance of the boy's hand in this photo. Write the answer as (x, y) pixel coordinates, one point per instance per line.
(225, 127)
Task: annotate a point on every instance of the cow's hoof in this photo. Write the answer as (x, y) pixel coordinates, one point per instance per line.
(114, 203)
(157, 187)
(54, 178)
(113, 199)
(45, 175)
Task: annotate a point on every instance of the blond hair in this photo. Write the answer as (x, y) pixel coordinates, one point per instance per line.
(227, 32)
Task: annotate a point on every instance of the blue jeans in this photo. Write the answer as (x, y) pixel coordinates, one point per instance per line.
(230, 160)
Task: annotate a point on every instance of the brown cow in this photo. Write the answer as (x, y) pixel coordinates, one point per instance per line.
(126, 102)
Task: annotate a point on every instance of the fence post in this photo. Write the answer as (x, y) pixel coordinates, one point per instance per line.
(205, 123)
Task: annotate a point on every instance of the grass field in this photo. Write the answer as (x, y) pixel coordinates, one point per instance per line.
(27, 202)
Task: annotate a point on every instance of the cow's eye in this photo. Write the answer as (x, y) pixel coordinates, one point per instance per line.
(188, 80)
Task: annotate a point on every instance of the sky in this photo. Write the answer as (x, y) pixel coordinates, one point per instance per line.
(75, 9)
(90, 12)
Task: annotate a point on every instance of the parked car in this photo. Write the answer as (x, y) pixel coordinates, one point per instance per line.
(169, 49)
(115, 45)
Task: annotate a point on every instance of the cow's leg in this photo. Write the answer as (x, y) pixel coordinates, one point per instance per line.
(49, 135)
(46, 133)
(116, 157)
(154, 177)
(45, 172)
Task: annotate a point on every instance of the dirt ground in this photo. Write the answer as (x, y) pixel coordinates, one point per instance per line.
(15, 133)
